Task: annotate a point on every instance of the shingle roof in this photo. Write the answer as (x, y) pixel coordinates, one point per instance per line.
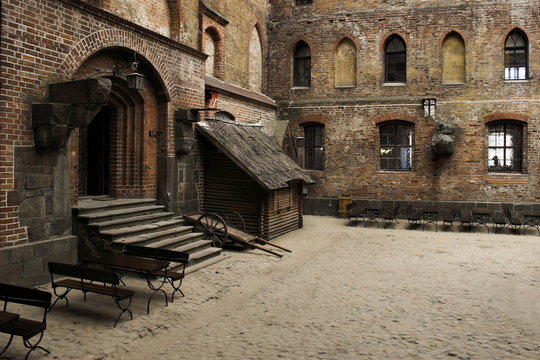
(255, 152)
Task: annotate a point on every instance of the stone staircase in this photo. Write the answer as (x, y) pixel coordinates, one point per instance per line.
(102, 223)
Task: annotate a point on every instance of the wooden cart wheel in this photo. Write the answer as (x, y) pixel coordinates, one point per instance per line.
(213, 227)
(236, 220)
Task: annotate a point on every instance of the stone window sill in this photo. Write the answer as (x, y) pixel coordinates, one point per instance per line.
(454, 84)
(517, 81)
(345, 87)
(396, 84)
(295, 88)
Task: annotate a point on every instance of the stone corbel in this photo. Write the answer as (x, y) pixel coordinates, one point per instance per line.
(183, 130)
(442, 143)
(73, 104)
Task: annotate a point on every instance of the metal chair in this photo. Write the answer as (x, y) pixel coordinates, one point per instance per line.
(390, 217)
(448, 219)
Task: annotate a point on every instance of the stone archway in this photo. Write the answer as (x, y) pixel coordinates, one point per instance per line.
(117, 154)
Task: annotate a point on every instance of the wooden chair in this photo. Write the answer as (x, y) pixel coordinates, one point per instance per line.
(413, 217)
(466, 218)
(500, 221)
(390, 217)
(514, 222)
(448, 219)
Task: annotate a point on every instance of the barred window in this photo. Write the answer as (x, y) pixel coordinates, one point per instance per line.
(396, 146)
(516, 56)
(505, 147)
(302, 65)
(395, 55)
(303, 2)
(314, 146)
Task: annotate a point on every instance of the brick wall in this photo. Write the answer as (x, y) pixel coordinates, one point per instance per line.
(351, 115)
(47, 41)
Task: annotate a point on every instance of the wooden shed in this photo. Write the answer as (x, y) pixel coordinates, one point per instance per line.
(245, 170)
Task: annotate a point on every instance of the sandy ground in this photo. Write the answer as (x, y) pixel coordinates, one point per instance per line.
(343, 293)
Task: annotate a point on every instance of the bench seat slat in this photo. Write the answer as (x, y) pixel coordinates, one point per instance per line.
(28, 328)
(95, 288)
(173, 275)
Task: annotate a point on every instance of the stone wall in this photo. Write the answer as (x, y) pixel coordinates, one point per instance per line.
(352, 115)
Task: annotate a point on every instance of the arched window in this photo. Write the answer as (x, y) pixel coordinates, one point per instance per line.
(505, 146)
(346, 63)
(395, 56)
(255, 61)
(314, 146)
(211, 49)
(302, 65)
(453, 59)
(516, 63)
(396, 146)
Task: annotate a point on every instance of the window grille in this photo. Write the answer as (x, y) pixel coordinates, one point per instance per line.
(314, 147)
(302, 65)
(516, 57)
(396, 146)
(395, 60)
(505, 147)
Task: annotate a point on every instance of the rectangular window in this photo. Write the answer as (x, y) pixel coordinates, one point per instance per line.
(396, 146)
(505, 147)
(314, 147)
(303, 2)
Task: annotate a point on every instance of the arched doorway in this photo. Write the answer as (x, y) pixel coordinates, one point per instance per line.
(116, 154)
(94, 154)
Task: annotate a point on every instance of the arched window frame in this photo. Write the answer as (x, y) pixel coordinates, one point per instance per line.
(302, 65)
(506, 144)
(516, 56)
(314, 135)
(395, 59)
(396, 154)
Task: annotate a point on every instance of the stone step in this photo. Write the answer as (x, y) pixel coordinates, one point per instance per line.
(104, 215)
(132, 221)
(203, 255)
(191, 268)
(175, 242)
(151, 237)
(85, 207)
(193, 247)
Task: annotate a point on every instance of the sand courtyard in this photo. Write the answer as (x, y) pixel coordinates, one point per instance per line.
(343, 293)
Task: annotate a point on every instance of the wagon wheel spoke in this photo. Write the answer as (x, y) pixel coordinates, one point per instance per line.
(213, 227)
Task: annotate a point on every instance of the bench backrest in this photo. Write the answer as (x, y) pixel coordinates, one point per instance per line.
(83, 273)
(25, 296)
(158, 254)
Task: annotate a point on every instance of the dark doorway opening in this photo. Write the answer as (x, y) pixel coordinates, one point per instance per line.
(94, 153)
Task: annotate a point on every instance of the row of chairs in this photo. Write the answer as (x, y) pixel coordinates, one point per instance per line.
(468, 218)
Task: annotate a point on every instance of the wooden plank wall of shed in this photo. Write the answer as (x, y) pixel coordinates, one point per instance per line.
(227, 187)
(283, 211)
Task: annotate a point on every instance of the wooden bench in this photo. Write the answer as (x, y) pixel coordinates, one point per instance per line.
(23, 327)
(82, 278)
(176, 259)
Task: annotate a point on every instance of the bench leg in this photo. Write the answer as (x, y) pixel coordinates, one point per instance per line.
(175, 288)
(6, 347)
(35, 346)
(61, 296)
(124, 309)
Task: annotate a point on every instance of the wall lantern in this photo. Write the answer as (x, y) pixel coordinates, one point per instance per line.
(135, 80)
(429, 107)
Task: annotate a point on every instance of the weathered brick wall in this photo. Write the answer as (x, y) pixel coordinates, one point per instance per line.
(351, 115)
(242, 19)
(47, 41)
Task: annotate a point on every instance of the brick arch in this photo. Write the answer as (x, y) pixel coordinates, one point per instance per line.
(506, 116)
(515, 28)
(104, 39)
(395, 117)
(450, 32)
(263, 41)
(336, 44)
(404, 38)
